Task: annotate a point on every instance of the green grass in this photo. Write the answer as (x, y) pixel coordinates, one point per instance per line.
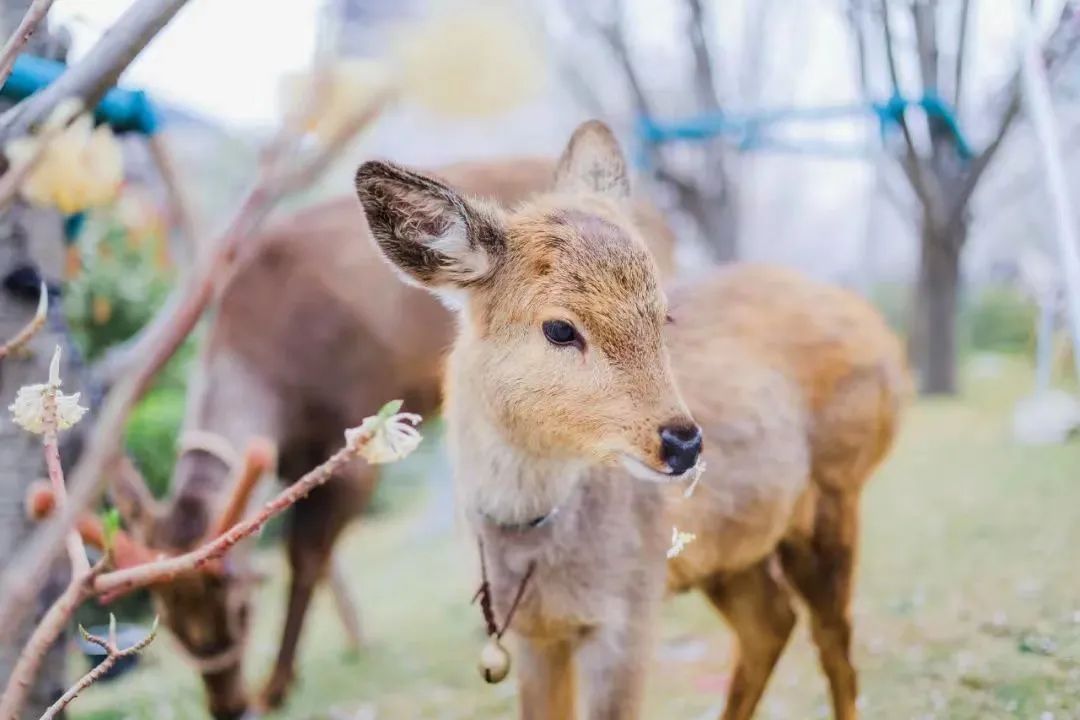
(968, 601)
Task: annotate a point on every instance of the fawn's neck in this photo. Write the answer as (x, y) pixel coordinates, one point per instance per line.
(496, 479)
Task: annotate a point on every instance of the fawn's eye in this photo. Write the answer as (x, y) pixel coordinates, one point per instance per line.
(560, 332)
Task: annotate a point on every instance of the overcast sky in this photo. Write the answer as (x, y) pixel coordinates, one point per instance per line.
(220, 58)
(224, 58)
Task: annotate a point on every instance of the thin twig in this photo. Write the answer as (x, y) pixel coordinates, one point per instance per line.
(127, 579)
(33, 17)
(961, 56)
(76, 551)
(913, 164)
(113, 654)
(31, 328)
(180, 210)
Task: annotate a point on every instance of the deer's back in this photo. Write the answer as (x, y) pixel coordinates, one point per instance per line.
(796, 384)
(323, 319)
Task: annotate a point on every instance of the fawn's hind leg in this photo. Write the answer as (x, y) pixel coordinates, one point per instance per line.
(546, 679)
(821, 566)
(758, 608)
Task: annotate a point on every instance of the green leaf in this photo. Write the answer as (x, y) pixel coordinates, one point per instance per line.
(110, 521)
(391, 408)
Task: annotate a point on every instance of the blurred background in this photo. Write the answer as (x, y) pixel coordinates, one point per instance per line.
(886, 146)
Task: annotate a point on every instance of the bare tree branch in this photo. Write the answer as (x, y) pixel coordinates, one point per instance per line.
(703, 58)
(127, 579)
(858, 31)
(113, 654)
(912, 163)
(98, 70)
(95, 582)
(961, 55)
(42, 638)
(31, 328)
(180, 211)
(34, 15)
(924, 18)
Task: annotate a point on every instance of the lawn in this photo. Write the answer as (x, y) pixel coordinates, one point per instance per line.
(968, 599)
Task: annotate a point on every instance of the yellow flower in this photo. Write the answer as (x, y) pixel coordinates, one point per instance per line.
(679, 541)
(81, 166)
(28, 410)
(386, 437)
(340, 92)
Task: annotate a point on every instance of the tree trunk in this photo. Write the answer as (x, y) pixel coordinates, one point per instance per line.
(936, 305)
(718, 223)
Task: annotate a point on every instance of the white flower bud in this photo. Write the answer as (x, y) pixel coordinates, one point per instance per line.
(679, 541)
(386, 437)
(28, 410)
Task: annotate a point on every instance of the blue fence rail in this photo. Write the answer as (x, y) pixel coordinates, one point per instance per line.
(755, 131)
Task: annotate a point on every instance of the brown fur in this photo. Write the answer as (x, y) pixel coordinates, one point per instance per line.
(796, 385)
(313, 332)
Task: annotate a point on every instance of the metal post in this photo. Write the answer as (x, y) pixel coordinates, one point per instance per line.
(1036, 92)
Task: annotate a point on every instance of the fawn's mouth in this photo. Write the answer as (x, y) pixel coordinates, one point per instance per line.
(642, 471)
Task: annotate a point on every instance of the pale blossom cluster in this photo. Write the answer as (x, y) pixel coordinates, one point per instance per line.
(29, 411)
(386, 437)
(679, 541)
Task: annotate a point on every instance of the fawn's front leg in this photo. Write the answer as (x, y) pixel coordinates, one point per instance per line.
(546, 679)
(613, 663)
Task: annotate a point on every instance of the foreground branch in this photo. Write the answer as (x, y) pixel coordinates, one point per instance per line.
(31, 328)
(123, 581)
(113, 654)
(33, 17)
(78, 591)
(384, 437)
(99, 70)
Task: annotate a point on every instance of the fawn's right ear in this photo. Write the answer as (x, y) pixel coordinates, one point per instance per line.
(436, 238)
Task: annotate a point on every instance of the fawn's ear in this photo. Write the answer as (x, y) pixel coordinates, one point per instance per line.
(435, 237)
(593, 162)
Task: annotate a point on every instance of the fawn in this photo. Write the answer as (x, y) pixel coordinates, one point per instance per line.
(312, 332)
(572, 444)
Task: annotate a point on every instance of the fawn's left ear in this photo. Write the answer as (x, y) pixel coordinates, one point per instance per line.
(435, 237)
(593, 162)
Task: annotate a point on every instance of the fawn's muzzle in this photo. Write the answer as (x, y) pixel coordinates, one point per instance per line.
(680, 446)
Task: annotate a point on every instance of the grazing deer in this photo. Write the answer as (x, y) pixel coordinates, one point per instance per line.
(570, 436)
(312, 332)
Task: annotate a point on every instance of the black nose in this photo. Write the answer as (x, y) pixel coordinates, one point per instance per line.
(680, 446)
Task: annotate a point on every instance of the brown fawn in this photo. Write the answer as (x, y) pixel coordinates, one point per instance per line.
(312, 332)
(572, 445)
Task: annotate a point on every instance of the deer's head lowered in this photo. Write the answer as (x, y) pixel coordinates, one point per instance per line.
(560, 356)
(206, 610)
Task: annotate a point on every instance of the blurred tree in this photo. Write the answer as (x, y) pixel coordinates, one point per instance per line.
(699, 180)
(932, 67)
